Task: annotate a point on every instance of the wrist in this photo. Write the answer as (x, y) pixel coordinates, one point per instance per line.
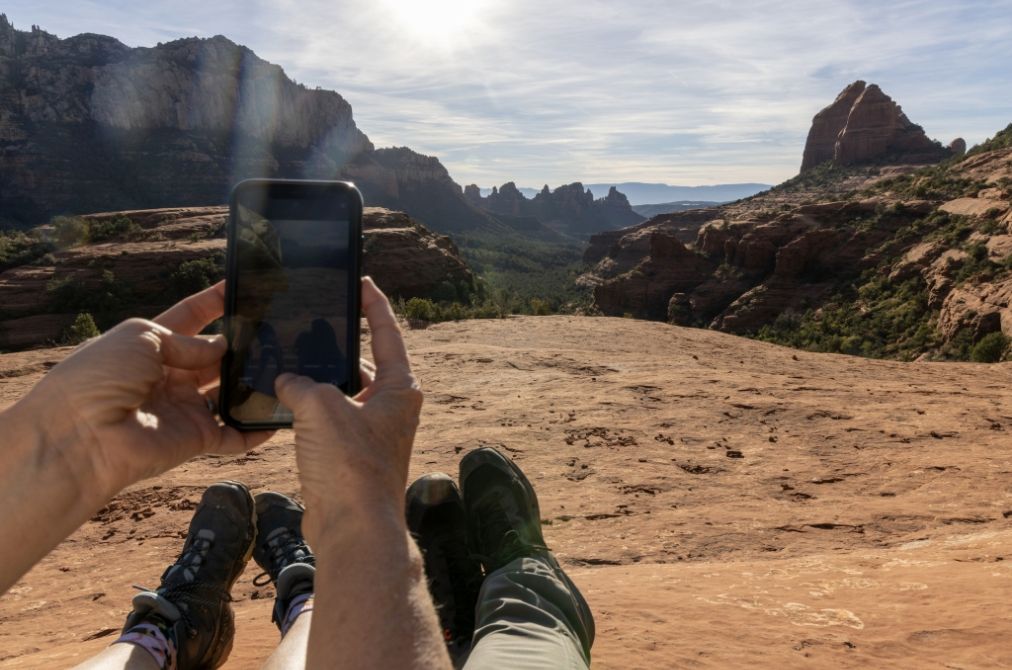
(58, 446)
(328, 523)
(47, 485)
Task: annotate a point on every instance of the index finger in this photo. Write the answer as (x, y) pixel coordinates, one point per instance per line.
(190, 315)
(388, 349)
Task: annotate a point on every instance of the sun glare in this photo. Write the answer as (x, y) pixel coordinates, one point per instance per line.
(437, 22)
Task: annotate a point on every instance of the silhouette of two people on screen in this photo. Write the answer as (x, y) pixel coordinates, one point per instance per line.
(318, 356)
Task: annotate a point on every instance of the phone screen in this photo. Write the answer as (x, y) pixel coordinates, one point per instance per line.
(294, 296)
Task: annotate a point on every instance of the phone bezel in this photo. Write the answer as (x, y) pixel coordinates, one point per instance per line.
(293, 188)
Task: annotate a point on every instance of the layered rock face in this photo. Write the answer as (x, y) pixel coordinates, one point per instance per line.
(570, 209)
(933, 249)
(864, 126)
(88, 124)
(139, 275)
(736, 275)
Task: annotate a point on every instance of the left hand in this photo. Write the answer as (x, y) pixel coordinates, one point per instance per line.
(135, 397)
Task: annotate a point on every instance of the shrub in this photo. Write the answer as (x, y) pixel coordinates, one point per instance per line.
(118, 228)
(1002, 140)
(990, 348)
(881, 319)
(83, 328)
(196, 275)
(420, 310)
(72, 295)
(18, 248)
(540, 307)
(70, 230)
(824, 176)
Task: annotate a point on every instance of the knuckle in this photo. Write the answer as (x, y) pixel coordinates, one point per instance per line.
(137, 322)
(390, 327)
(415, 388)
(412, 392)
(409, 398)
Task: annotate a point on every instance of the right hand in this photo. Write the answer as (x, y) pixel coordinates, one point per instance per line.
(353, 453)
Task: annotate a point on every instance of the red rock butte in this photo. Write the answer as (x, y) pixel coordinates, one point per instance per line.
(864, 125)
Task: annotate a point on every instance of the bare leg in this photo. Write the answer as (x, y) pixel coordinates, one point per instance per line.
(120, 657)
(291, 653)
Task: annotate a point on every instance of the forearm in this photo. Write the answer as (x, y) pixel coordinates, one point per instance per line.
(372, 603)
(44, 471)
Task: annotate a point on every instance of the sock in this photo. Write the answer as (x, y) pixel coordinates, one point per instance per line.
(300, 604)
(155, 637)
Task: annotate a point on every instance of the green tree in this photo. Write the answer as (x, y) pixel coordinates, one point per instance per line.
(83, 328)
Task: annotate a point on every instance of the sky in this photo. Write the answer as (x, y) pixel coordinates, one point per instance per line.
(555, 91)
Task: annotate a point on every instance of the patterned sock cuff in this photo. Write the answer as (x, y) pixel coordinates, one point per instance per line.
(155, 639)
(299, 605)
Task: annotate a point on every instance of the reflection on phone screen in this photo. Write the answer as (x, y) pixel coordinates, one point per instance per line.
(291, 306)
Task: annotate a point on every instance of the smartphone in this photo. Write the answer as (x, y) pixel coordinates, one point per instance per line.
(292, 294)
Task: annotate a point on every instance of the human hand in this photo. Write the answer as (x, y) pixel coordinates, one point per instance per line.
(136, 398)
(353, 453)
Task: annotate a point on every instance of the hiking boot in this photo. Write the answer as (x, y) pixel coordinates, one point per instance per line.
(503, 519)
(504, 524)
(435, 515)
(282, 553)
(193, 599)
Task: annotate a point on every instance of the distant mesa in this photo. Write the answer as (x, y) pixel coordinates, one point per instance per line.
(650, 211)
(640, 193)
(864, 126)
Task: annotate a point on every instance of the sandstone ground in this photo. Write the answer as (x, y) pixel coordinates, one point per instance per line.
(722, 502)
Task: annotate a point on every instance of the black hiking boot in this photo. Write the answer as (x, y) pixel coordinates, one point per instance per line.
(281, 552)
(503, 519)
(193, 599)
(504, 524)
(435, 514)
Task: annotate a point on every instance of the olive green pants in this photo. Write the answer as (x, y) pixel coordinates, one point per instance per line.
(531, 616)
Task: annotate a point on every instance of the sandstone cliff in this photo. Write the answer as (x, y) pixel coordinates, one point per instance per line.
(864, 126)
(884, 261)
(570, 209)
(156, 256)
(88, 124)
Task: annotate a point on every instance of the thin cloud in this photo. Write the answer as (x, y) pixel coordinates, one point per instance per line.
(647, 90)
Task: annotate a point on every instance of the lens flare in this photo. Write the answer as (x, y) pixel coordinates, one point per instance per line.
(443, 23)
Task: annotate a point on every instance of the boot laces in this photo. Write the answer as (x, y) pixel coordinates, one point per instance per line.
(498, 536)
(190, 591)
(284, 547)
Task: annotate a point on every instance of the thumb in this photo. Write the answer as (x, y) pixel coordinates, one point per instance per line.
(293, 390)
(191, 353)
(307, 398)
